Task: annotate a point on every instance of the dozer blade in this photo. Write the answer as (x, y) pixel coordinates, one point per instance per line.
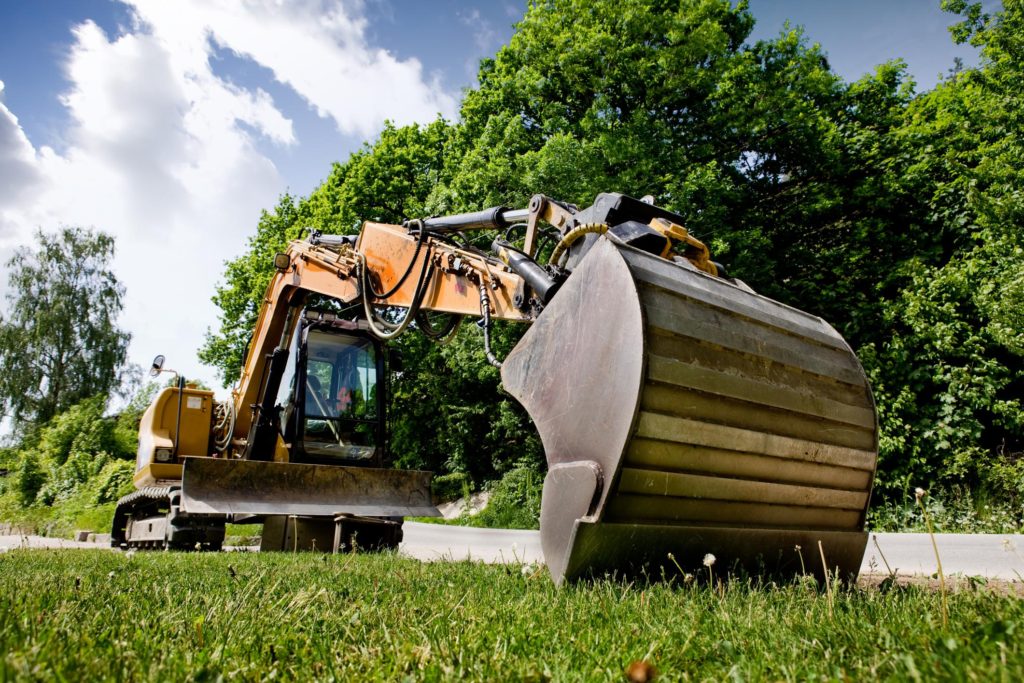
(248, 487)
(682, 414)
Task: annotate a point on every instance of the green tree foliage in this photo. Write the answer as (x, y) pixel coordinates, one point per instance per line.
(896, 216)
(80, 455)
(59, 342)
(29, 478)
(76, 446)
(949, 377)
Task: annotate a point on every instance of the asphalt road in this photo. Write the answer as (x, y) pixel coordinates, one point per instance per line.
(988, 555)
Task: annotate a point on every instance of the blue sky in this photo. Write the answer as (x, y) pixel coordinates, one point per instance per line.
(172, 124)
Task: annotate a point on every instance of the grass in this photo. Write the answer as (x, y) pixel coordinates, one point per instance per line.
(100, 615)
(957, 511)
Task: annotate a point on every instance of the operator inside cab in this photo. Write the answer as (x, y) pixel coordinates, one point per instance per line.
(333, 378)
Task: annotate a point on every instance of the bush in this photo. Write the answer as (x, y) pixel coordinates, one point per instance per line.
(958, 510)
(29, 479)
(514, 502)
(448, 487)
(113, 481)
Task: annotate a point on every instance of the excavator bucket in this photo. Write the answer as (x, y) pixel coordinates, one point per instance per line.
(248, 487)
(683, 415)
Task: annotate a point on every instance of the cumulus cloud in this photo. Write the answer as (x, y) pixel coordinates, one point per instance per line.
(318, 48)
(18, 171)
(164, 152)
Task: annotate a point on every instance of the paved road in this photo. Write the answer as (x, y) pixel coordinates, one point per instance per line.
(995, 556)
(10, 542)
(989, 555)
(440, 541)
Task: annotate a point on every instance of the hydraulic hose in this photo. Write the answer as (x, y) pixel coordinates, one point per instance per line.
(410, 314)
(225, 426)
(485, 311)
(441, 335)
(572, 236)
(422, 238)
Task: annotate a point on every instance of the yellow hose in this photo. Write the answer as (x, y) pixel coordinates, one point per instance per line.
(572, 236)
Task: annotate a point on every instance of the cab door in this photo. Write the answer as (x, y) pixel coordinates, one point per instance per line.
(339, 399)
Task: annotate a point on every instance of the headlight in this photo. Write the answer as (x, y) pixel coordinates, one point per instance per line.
(163, 455)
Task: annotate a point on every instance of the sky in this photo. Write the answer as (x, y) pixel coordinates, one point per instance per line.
(171, 125)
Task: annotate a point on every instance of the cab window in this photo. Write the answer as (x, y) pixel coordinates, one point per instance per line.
(340, 403)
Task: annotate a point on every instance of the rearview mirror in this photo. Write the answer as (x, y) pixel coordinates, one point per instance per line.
(157, 367)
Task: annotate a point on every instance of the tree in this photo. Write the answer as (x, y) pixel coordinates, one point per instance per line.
(750, 143)
(896, 216)
(948, 368)
(59, 342)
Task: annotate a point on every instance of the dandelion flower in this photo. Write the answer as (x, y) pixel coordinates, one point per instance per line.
(919, 493)
(709, 560)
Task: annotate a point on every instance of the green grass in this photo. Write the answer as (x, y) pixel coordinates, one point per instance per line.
(957, 511)
(98, 615)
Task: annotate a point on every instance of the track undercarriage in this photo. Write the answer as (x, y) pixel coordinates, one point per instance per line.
(151, 518)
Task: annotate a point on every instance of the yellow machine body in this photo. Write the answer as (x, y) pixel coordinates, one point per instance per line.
(157, 460)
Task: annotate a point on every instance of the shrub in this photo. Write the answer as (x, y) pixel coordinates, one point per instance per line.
(514, 502)
(448, 487)
(29, 479)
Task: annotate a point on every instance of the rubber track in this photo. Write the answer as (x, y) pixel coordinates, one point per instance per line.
(127, 504)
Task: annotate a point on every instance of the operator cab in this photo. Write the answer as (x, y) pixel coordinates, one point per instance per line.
(331, 401)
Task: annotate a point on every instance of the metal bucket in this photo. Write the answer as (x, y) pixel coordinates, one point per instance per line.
(683, 414)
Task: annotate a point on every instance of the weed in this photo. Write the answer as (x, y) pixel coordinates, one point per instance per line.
(919, 495)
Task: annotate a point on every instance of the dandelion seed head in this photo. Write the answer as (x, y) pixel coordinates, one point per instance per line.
(709, 560)
(919, 493)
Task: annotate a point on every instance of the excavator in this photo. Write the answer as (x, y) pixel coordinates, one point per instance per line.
(681, 413)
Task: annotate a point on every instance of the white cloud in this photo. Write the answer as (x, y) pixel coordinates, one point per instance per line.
(163, 152)
(18, 172)
(318, 48)
(483, 33)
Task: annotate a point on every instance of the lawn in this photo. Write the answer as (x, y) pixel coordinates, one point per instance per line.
(91, 615)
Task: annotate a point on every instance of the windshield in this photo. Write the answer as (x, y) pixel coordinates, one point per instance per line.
(340, 396)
